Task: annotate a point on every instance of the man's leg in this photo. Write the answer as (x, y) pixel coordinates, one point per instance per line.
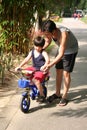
(67, 80)
(59, 74)
(68, 65)
(57, 95)
(66, 85)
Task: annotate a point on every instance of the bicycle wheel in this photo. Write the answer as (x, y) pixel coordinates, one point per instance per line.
(45, 91)
(25, 104)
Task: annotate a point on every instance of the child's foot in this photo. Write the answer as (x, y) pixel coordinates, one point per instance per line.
(41, 99)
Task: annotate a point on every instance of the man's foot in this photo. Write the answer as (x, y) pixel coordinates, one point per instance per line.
(63, 102)
(52, 98)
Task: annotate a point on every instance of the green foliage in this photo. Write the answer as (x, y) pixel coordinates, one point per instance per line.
(6, 62)
(6, 36)
(5, 59)
(84, 19)
(81, 4)
(49, 48)
(3, 35)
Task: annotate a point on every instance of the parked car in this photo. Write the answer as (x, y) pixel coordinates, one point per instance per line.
(66, 13)
(78, 13)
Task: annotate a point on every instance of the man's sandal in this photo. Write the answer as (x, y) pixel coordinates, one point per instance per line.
(63, 102)
(52, 98)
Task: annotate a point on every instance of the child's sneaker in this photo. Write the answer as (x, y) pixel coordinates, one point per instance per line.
(41, 99)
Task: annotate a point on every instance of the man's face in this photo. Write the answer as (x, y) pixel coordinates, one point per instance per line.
(47, 34)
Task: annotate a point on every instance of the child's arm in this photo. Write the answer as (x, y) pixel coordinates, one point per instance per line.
(25, 61)
(47, 60)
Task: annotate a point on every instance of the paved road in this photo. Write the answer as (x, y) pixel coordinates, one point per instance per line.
(51, 116)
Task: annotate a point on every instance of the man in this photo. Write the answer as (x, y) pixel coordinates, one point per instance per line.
(65, 58)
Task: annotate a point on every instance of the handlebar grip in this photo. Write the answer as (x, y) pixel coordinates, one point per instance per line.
(19, 69)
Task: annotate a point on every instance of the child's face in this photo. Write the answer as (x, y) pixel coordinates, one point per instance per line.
(38, 48)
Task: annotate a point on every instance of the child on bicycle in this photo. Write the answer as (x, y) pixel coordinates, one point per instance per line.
(39, 59)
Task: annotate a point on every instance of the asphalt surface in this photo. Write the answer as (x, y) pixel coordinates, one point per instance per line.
(51, 116)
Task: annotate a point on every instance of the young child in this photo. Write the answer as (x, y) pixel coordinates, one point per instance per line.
(40, 59)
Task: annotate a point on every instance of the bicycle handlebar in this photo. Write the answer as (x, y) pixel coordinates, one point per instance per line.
(26, 71)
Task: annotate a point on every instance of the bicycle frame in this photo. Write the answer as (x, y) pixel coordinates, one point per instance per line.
(25, 82)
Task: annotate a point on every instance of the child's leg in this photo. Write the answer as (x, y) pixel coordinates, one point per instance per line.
(38, 78)
(41, 98)
(39, 86)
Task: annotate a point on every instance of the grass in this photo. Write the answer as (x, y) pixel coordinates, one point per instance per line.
(49, 48)
(84, 19)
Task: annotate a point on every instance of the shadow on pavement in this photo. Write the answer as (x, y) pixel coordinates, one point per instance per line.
(82, 112)
(43, 105)
(78, 95)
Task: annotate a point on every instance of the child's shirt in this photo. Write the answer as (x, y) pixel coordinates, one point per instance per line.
(39, 61)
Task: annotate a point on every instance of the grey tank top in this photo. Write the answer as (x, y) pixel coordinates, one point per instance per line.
(72, 43)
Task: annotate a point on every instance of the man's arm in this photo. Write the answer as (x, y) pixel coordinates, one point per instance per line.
(47, 42)
(62, 48)
(47, 60)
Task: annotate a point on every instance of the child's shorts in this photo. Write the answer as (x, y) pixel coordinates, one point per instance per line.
(39, 75)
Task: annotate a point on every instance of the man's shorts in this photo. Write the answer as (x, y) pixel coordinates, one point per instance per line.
(39, 75)
(67, 62)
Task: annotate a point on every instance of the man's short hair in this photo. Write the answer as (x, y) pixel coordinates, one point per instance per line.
(48, 26)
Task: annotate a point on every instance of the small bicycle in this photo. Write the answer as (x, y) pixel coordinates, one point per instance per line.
(31, 90)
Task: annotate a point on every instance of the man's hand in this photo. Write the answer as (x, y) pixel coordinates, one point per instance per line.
(44, 68)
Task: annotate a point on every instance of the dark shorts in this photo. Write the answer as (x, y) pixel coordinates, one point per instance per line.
(67, 62)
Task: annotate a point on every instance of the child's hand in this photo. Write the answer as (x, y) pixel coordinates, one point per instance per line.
(16, 69)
